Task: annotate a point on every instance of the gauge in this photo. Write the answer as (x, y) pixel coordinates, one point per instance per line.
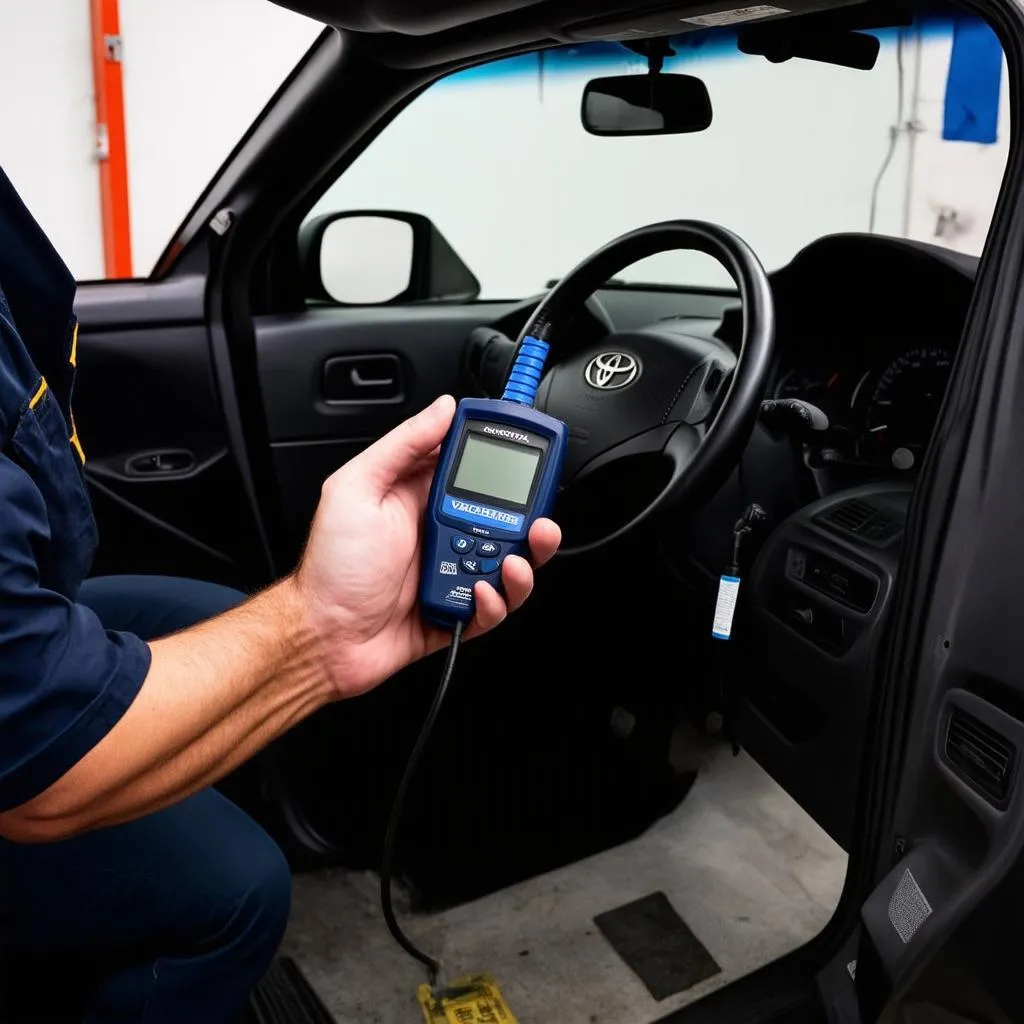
(798, 384)
(811, 385)
(904, 405)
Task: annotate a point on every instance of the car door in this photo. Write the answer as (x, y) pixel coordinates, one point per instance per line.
(373, 343)
(170, 488)
(942, 827)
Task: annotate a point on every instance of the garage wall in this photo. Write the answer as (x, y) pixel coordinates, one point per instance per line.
(198, 71)
(196, 74)
(47, 135)
(955, 184)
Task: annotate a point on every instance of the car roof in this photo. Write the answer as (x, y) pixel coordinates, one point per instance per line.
(427, 33)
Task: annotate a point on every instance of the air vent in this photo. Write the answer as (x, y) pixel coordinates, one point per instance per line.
(860, 518)
(984, 757)
(852, 516)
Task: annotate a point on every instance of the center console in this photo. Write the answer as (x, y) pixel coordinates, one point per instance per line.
(816, 611)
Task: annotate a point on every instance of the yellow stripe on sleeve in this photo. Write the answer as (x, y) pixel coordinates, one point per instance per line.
(38, 396)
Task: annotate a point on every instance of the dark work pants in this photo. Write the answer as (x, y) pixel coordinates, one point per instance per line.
(172, 918)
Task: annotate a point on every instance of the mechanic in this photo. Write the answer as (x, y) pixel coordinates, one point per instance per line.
(114, 851)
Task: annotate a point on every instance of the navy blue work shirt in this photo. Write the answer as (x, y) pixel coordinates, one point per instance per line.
(64, 680)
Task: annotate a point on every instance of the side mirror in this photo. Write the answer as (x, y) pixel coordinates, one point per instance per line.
(651, 104)
(374, 257)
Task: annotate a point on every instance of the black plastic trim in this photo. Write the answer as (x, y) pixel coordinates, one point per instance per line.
(127, 304)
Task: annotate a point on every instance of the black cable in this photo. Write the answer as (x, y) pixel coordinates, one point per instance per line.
(894, 135)
(432, 965)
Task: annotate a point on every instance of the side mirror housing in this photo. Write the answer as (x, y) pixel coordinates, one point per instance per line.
(376, 257)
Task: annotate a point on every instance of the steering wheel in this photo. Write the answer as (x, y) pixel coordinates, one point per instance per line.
(657, 390)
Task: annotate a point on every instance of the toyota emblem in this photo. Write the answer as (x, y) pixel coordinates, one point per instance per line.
(612, 370)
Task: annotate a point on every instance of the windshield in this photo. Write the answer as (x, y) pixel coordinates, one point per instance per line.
(497, 157)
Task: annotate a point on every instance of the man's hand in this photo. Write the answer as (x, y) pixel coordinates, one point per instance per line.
(217, 693)
(359, 577)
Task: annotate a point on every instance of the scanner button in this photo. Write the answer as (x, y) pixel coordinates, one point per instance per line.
(471, 565)
(488, 549)
(462, 545)
(489, 565)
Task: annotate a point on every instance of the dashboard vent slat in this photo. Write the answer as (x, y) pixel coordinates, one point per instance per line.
(982, 756)
(852, 516)
(862, 519)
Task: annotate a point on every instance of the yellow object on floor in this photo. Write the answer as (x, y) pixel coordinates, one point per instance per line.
(472, 1000)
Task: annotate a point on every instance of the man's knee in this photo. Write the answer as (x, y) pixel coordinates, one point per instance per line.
(265, 895)
(240, 876)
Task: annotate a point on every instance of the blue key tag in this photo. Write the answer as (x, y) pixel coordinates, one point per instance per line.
(725, 607)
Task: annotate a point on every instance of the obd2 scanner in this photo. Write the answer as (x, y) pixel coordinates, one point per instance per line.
(498, 471)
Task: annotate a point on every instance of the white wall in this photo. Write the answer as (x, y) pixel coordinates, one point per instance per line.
(960, 176)
(47, 133)
(196, 74)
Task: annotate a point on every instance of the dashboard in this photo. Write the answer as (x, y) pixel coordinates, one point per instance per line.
(881, 408)
(867, 330)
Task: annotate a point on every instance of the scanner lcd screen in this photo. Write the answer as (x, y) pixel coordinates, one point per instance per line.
(497, 469)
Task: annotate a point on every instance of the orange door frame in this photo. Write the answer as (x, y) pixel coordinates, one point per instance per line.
(111, 148)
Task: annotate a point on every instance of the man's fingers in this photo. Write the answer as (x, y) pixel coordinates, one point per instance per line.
(517, 577)
(545, 536)
(490, 609)
(401, 450)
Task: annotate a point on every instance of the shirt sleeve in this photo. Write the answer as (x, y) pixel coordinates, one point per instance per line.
(65, 681)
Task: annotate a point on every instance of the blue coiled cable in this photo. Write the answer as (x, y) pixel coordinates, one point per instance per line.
(527, 371)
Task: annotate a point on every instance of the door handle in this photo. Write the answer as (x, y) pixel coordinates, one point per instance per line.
(161, 463)
(363, 380)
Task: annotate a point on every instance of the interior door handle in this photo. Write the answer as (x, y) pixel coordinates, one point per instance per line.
(363, 380)
(161, 463)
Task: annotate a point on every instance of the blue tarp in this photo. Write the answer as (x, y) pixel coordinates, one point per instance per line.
(972, 88)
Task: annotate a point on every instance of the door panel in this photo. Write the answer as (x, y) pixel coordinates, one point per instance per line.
(166, 487)
(334, 380)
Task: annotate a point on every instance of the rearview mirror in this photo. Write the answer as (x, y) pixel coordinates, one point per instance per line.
(651, 104)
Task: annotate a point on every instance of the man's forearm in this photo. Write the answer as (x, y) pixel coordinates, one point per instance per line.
(213, 696)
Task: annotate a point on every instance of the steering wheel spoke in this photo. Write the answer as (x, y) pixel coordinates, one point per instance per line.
(648, 443)
(681, 447)
(657, 390)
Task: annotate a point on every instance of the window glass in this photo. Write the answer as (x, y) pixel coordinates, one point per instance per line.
(498, 159)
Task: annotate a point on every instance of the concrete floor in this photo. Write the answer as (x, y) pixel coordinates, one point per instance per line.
(748, 871)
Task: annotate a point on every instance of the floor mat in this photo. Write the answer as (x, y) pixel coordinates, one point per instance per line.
(657, 944)
(284, 996)
(603, 798)
(749, 872)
